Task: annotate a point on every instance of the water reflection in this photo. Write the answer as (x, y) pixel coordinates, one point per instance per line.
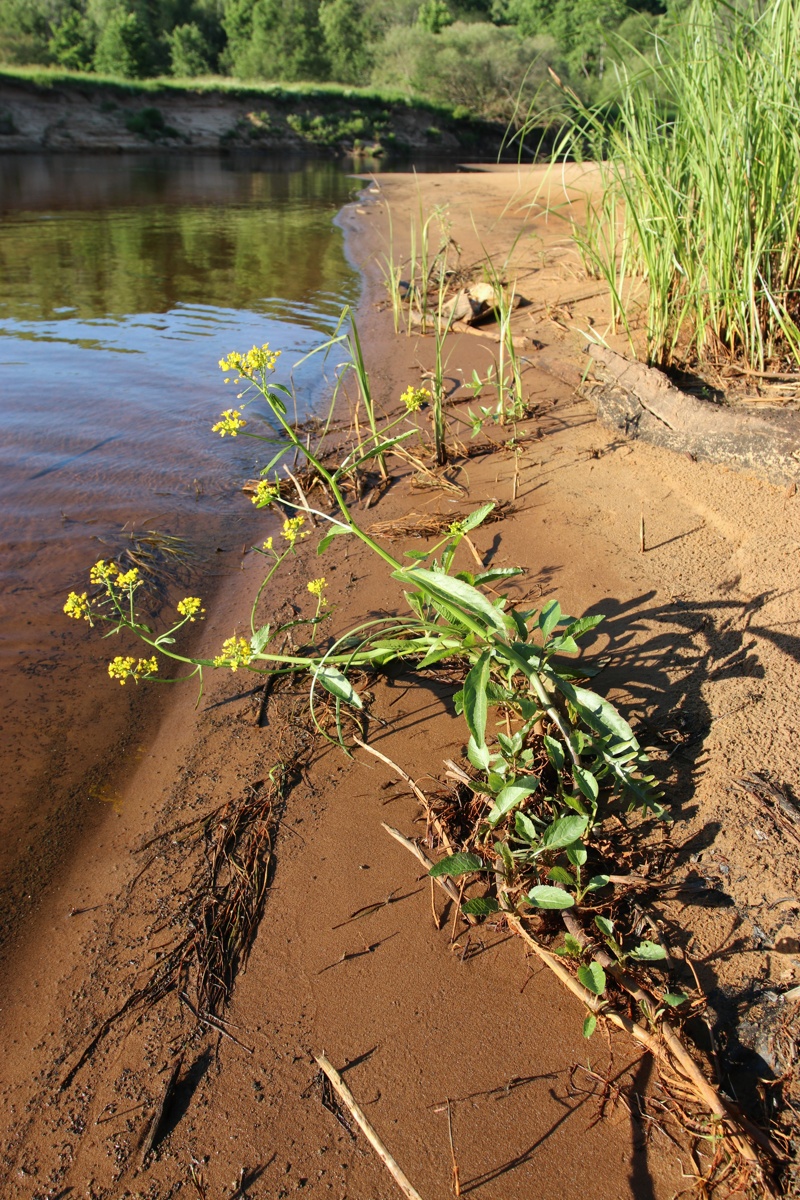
(124, 238)
(122, 282)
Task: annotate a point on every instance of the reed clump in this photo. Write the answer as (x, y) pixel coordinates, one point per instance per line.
(696, 219)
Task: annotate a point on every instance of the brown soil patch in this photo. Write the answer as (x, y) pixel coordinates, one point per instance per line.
(701, 631)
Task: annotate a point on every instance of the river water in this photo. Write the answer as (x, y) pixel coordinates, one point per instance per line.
(122, 282)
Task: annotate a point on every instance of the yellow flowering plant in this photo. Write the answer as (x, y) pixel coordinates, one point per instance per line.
(559, 761)
(534, 841)
(507, 653)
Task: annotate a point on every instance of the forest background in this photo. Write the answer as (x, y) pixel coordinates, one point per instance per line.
(488, 57)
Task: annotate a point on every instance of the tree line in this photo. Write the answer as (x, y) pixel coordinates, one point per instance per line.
(482, 54)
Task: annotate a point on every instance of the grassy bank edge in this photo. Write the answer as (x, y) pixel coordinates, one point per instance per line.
(52, 77)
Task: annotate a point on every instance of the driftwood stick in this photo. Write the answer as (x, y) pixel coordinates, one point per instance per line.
(446, 884)
(418, 792)
(403, 774)
(347, 1098)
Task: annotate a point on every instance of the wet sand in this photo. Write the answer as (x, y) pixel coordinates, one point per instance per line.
(700, 633)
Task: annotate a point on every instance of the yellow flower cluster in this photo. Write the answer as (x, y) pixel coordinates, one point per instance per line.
(126, 667)
(191, 607)
(317, 587)
(291, 529)
(236, 653)
(103, 572)
(414, 398)
(260, 358)
(265, 493)
(127, 578)
(78, 607)
(111, 575)
(268, 544)
(230, 421)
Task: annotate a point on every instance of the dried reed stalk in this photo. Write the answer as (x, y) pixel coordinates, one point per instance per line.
(347, 1098)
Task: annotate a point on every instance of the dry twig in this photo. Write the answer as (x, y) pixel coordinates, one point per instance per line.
(347, 1098)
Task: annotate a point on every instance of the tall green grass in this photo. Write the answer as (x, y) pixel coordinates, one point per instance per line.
(698, 210)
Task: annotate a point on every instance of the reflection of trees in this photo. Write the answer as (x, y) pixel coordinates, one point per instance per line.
(180, 242)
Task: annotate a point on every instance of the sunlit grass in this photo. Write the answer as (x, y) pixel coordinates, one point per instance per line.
(55, 76)
(700, 195)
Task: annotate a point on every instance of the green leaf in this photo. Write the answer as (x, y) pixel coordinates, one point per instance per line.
(478, 755)
(474, 697)
(338, 685)
(437, 652)
(506, 745)
(477, 517)
(510, 797)
(526, 828)
(575, 803)
(334, 531)
(649, 952)
(495, 573)
(572, 946)
(555, 751)
(587, 783)
(589, 1026)
(563, 645)
(674, 999)
(561, 875)
(545, 896)
(599, 714)
(593, 978)
(457, 864)
(275, 401)
(414, 602)
(276, 458)
(563, 832)
(596, 883)
(531, 655)
(583, 624)
(576, 853)
(351, 464)
(549, 617)
(480, 906)
(260, 638)
(522, 628)
(455, 592)
(503, 852)
(605, 926)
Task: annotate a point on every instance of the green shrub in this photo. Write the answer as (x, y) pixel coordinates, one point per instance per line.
(330, 130)
(502, 66)
(124, 47)
(346, 33)
(188, 51)
(73, 40)
(149, 123)
(275, 39)
(434, 15)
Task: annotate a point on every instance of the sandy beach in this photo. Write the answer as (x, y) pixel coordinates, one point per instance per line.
(701, 640)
